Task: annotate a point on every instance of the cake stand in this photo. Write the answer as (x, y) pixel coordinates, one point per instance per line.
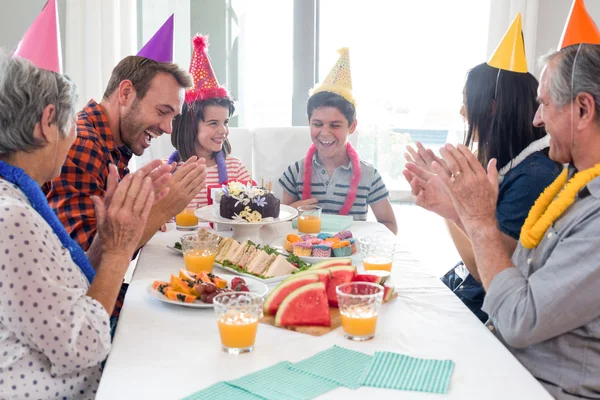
(243, 230)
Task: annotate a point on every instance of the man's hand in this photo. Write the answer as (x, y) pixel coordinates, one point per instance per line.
(474, 191)
(185, 183)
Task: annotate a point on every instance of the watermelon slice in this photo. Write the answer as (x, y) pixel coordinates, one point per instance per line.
(306, 306)
(388, 293)
(286, 287)
(331, 263)
(374, 276)
(323, 274)
(339, 275)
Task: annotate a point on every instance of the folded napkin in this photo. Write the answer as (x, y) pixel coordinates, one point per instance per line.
(397, 371)
(331, 222)
(338, 365)
(279, 382)
(222, 391)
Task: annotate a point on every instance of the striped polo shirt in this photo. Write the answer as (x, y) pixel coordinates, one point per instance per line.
(331, 191)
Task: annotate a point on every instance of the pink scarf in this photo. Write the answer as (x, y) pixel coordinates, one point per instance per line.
(307, 188)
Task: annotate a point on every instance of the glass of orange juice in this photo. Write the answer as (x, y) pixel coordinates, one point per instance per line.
(309, 219)
(377, 252)
(186, 220)
(199, 254)
(359, 304)
(238, 314)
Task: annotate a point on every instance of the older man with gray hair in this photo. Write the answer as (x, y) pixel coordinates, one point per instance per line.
(544, 303)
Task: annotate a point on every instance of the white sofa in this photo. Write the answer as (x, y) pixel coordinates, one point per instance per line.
(266, 152)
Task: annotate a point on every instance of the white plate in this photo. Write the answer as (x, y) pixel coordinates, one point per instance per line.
(211, 214)
(250, 276)
(216, 264)
(253, 285)
(278, 245)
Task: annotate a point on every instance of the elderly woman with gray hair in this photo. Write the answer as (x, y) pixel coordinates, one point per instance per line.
(55, 299)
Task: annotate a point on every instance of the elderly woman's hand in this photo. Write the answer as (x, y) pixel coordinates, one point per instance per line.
(122, 218)
(430, 192)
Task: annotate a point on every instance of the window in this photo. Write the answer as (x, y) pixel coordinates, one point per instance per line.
(409, 60)
(265, 62)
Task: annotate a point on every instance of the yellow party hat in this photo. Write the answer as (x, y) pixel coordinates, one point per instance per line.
(339, 79)
(510, 53)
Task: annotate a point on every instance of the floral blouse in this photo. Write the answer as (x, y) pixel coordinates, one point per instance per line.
(52, 336)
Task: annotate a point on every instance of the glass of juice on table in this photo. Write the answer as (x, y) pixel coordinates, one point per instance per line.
(377, 252)
(198, 254)
(186, 220)
(238, 314)
(309, 219)
(359, 304)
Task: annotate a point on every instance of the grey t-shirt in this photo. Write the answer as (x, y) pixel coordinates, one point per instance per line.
(547, 309)
(331, 191)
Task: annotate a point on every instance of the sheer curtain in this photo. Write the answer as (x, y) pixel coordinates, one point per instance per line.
(98, 35)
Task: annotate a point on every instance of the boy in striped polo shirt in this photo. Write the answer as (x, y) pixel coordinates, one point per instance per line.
(340, 182)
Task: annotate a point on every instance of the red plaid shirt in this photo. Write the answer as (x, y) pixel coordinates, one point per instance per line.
(85, 174)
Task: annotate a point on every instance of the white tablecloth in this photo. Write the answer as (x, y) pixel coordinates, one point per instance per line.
(162, 351)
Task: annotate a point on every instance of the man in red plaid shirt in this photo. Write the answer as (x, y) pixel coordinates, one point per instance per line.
(139, 104)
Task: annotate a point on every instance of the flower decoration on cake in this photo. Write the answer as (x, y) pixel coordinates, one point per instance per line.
(245, 202)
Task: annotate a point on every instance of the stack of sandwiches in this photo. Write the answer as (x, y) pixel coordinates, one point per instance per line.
(249, 257)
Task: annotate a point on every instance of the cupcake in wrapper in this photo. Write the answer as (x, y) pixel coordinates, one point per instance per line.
(289, 241)
(332, 240)
(314, 241)
(341, 249)
(343, 235)
(321, 250)
(352, 245)
(307, 237)
(302, 249)
(324, 236)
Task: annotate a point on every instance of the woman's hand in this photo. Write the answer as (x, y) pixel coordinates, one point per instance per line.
(430, 191)
(423, 158)
(122, 218)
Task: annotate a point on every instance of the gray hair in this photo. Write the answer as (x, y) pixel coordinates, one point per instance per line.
(25, 91)
(579, 64)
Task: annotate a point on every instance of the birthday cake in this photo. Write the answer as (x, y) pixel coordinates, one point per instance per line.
(247, 202)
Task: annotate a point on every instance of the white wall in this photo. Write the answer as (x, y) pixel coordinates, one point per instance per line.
(15, 18)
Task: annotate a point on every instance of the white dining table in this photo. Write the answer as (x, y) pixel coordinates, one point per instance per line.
(163, 351)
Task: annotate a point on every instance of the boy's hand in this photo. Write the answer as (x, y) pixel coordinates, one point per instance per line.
(307, 202)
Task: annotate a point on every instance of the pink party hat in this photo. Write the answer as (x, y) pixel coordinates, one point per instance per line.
(160, 46)
(41, 42)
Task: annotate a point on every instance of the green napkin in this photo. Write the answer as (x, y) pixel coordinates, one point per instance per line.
(279, 382)
(222, 391)
(397, 371)
(339, 365)
(331, 222)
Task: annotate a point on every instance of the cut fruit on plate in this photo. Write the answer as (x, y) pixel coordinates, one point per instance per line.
(306, 305)
(278, 295)
(339, 275)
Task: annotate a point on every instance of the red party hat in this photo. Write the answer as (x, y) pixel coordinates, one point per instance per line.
(205, 81)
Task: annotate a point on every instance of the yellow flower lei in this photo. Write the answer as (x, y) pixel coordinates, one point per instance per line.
(548, 207)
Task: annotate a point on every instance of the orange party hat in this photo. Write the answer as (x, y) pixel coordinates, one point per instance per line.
(580, 28)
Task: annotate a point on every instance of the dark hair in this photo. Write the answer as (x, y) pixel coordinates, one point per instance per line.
(330, 99)
(185, 126)
(500, 106)
(140, 71)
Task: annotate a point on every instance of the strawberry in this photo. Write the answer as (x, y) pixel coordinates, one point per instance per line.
(237, 281)
(241, 288)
